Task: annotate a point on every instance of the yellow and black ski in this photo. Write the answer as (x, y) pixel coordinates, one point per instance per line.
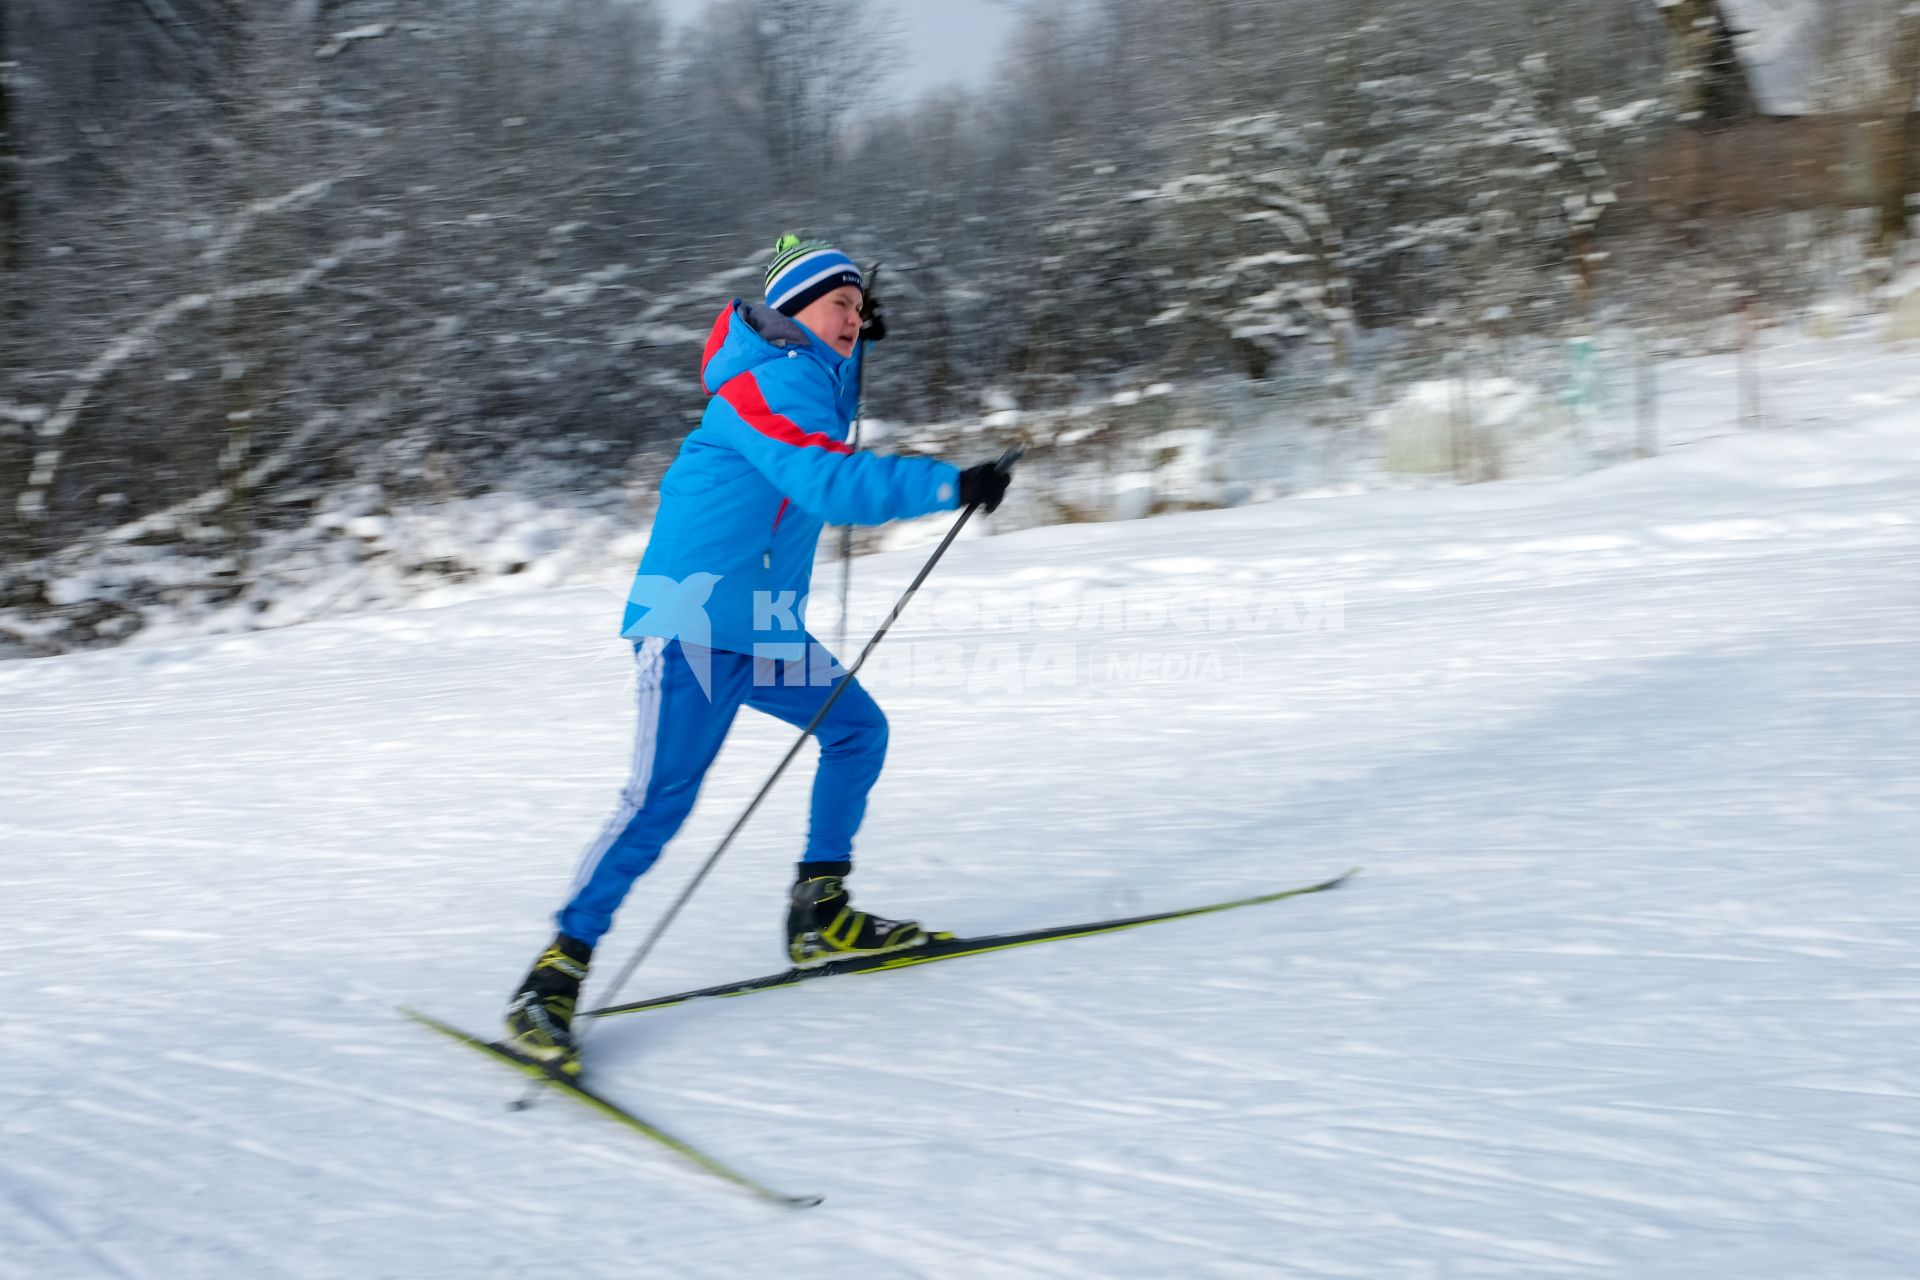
(953, 948)
(613, 1111)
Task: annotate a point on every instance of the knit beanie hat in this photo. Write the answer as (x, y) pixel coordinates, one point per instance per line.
(806, 270)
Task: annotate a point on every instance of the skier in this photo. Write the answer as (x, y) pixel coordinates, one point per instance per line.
(717, 621)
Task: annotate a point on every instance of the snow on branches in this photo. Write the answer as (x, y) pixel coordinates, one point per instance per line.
(1439, 195)
(1260, 258)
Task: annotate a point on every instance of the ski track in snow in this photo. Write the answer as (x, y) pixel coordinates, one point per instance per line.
(1629, 985)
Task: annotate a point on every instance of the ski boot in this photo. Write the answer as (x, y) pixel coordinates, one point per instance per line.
(540, 1016)
(823, 925)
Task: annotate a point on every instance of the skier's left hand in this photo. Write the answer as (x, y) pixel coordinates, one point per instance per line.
(873, 319)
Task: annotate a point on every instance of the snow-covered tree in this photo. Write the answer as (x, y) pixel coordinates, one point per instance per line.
(1256, 254)
(1423, 193)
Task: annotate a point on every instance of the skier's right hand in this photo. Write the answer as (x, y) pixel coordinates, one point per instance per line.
(873, 319)
(984, 485)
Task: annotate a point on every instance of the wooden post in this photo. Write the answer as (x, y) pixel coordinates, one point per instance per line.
(1749, 370)
(1460, 418)
(1897, 164)
(1647, 429)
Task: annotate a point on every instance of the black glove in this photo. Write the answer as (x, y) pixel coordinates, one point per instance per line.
(984, 485)
(873, 319)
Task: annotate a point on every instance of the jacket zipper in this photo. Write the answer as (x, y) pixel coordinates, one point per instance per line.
(766, 558)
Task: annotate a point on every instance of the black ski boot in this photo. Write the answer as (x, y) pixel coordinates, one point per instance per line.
(822, 924)
(540, 1016)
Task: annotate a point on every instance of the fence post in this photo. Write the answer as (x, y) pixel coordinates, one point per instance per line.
(1646, 426)
(1749, 372)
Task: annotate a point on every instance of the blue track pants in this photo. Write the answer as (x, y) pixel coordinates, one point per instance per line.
(681, 727)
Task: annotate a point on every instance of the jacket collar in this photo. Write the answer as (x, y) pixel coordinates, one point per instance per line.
(750, 334)
(786, 333)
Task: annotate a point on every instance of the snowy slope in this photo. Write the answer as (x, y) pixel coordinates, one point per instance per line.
(1629, 987)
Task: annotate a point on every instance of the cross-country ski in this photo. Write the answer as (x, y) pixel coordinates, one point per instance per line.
(954, 948)
(578, 1091)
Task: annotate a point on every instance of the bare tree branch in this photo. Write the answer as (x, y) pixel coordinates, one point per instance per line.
(46, 462)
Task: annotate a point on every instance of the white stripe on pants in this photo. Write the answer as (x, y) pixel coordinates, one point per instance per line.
(649, 663)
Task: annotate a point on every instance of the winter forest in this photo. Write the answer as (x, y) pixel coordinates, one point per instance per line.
(315, 305)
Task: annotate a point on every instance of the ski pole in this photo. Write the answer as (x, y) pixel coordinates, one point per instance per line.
(846, 530)
(1005, 463)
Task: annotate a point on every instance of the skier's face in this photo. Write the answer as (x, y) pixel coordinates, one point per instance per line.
(834, 318)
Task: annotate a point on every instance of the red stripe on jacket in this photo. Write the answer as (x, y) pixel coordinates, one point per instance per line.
(715, 340)
(743, 395)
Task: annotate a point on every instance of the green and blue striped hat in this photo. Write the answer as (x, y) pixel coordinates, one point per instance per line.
(805, 270)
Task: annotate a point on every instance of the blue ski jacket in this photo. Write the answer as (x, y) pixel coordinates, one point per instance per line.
(730, 560)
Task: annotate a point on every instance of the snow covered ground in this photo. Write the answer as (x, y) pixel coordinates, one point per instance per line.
(1629, 986)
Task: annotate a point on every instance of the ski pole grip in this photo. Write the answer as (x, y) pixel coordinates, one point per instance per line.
(1007, 459)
